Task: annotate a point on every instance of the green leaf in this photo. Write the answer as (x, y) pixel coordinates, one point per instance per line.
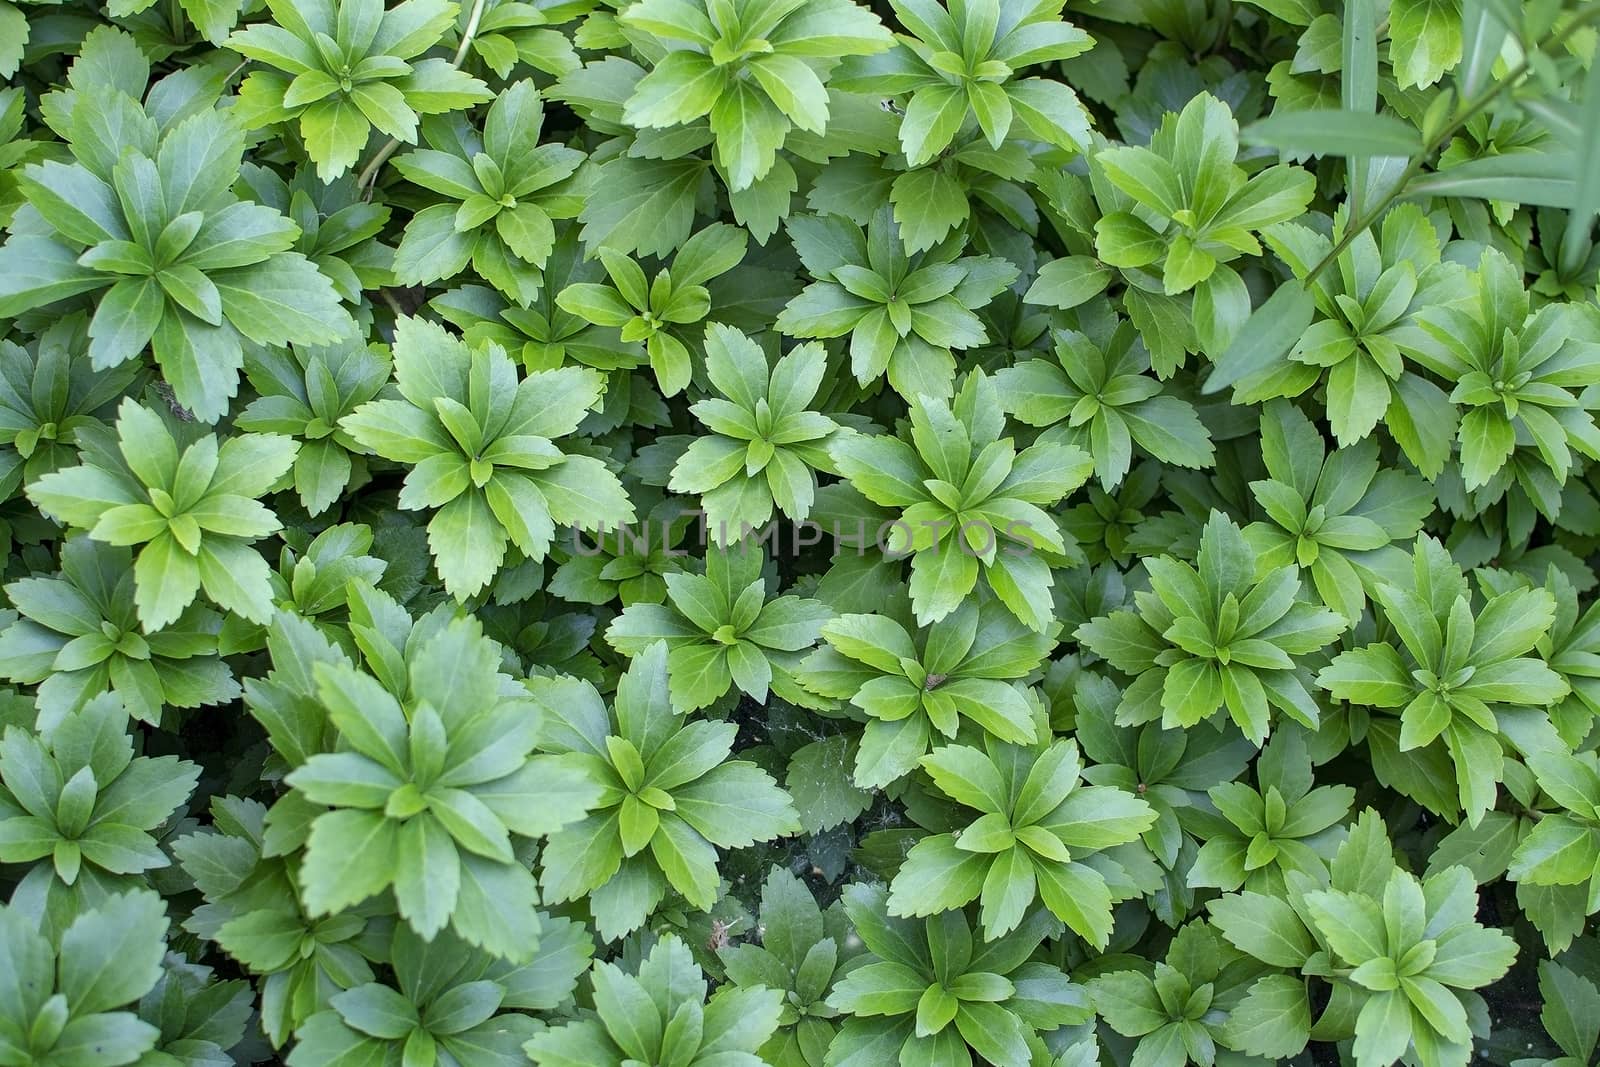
(649, 206)
(427, 876)
(1078, 896)
(1066, 283)
(1128, 1002)
(1273, 1019)
(1586, 191)
(931, 120)
(350, 856)
(125, 321)
(1266, 337)
(335, 132)
(1351, 924)
(1052, 112)
(1425, 40)
(1558, 851)
(468, 543)
(1543, 178)
(495, 908)
(376, 1010)
(1570, 1010)
(1471, 956)
(166, 579)
(106, 1038)
(1335, 133)
(683, 87)
(749, 131)
(735, 805)
(36, 271)
(819, 781)
(625, 1006)
(1264, 927)
(928, 204)
(937, 876)
(111, 956)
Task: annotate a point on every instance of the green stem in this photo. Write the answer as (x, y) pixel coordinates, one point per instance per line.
(394, 305)
(1468, 110)
(473, 18)
(369, 173)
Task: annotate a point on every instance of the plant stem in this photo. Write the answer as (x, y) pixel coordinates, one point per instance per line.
(473, 18)
(369, 173)
(1468, 110)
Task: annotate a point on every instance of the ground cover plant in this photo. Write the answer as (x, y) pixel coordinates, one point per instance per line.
(708, 533)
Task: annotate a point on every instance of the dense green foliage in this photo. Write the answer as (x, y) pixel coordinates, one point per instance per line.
(821, 533)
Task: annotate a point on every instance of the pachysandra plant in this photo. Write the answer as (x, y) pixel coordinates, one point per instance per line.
(764, 443)
(806, 533)
(618, 565)
(451, 1003)
(957, 67)
(1169, 769)
(1214, 636)
(1036, 825)
(542, 335)
(1367, 316)
(253, 913)
(337, 69)
(1282, 825)
(969, 502)
(1519, 378)
(1455, 665)
(754, 72)
(661, 1014)
(933, 992)
(1566, 648)
(511, 32)
(79, 636)
(194, 512)
(963, 669)
(664, 311)
(501, 191)
(1191, 209)
(667, 794)
(1562, 848)
(195, 1013)
(81, 799)
(1186, 1007)
(725, 630)
(303, 392)
(480, 441)
(1096, 396)
(1401, 956)
(188, 269)
(428, 789)
(49, 392)
(804, 950)
(905, 314)
(72, 1000)
(1416, 954)
(314, 580)
(341, 231)
(1336, 515)
(1570, 1001)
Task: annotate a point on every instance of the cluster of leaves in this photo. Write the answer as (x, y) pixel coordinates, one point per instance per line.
(821, 533)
